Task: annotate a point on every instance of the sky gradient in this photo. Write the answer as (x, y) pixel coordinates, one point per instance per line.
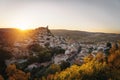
(85, 15)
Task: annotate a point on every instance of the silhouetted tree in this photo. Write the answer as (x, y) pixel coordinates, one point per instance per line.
(109, 45)
(64, 65)
(3, 56)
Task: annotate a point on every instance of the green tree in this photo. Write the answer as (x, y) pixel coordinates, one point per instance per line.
(64, 65)
(35, 47)
(44, 55)
(57, 50)
(53, 69)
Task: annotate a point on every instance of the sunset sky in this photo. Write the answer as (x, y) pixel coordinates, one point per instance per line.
(85, 15)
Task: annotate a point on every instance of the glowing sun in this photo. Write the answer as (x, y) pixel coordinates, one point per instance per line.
(22, 28)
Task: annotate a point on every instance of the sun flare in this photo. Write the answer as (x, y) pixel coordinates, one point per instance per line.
(22, 28)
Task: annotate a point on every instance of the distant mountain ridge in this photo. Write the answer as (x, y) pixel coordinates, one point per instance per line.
(84, 36)
(9, 34)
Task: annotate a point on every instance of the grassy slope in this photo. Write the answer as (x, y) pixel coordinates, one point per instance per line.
(87, 36)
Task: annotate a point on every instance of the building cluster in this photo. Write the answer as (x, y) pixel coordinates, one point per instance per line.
(45, 38)
(75, 52)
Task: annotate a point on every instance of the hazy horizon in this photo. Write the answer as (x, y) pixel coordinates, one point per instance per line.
(60, 29)
(81, 15)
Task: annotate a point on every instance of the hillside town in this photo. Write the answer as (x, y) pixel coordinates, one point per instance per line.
(74, 52)
(40, 53)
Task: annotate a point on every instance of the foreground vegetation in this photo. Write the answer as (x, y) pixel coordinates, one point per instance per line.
(100, 67)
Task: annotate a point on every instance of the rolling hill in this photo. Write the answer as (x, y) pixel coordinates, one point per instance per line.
(8, 35)
(83, 36)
